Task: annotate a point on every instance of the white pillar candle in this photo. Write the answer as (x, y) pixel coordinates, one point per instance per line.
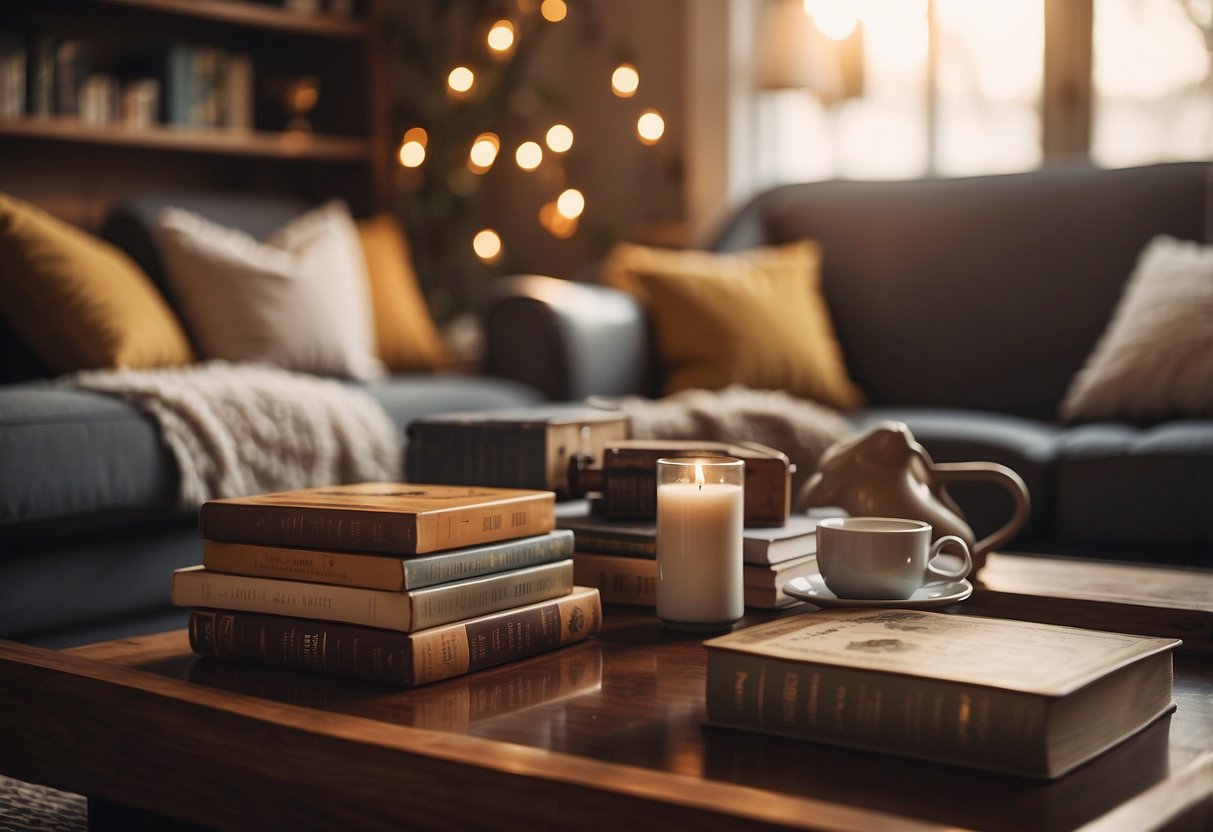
(700, 513)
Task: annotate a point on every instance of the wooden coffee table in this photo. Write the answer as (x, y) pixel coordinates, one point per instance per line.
(603, 734)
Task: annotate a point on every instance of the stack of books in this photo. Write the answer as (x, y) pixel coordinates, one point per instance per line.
(405, 584)
(619, 557)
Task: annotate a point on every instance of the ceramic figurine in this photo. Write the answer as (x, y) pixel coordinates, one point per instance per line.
(885, 472)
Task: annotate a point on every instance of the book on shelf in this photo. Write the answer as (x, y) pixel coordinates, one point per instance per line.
(1153, 600)
(628, 580)
(14, 58)
(405, 611)
(404, 659)
(761, 545)
(1036, 700)
(393, 518)
(528, 448)
(378, 571)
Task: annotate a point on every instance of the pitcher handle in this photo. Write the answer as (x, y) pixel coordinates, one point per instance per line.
(946, 472)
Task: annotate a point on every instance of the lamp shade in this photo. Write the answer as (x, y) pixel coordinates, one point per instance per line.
(792, 54)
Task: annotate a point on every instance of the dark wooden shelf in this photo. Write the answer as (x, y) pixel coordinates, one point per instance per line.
(253, 15)
(303, 146)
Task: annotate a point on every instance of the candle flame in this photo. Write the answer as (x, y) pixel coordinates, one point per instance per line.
(699, 475)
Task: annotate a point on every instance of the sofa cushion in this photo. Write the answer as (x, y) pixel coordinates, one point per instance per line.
(299, 300)
(1120, 484)
(73, 462)
(983, 293)
(754, 318)
(1155, 360)
(1026, 446)
(406, 339)
(77, 301)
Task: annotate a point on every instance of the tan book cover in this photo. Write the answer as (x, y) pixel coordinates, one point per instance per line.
(408, 611)
(1032, 699)
(397, 518)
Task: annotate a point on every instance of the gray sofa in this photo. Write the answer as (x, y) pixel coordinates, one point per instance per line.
(88, 528)
(964, 308)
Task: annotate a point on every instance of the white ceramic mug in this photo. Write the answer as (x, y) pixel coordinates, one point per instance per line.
(883, 557)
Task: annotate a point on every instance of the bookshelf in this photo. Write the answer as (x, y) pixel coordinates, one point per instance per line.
(77, 164)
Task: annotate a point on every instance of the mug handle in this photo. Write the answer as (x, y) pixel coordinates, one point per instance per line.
(946, 472)
(952, 575)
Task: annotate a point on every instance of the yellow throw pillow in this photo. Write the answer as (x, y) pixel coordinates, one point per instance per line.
(79, 302)
(755, 318)
(406, 337)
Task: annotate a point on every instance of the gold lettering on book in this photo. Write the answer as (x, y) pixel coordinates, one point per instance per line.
(814, 692)
(518, 518)
(787, 700)
(490, 523)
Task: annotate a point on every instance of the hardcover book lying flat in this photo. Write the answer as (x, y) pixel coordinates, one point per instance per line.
(1035, 700)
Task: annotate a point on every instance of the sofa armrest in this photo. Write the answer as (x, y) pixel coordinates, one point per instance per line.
(569, 340)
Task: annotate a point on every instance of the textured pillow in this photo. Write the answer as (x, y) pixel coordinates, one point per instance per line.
(299, 300)
(405, 335)
(755, 318)
(1155, 359)
(78, 302)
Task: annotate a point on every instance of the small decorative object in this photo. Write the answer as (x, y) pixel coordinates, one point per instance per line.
(622, 487)
(885, 472)
(299, 98)
(699, 522)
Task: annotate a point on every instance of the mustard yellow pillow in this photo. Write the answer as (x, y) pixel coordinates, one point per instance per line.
(755, 318)
(77, 301)
(406, 337)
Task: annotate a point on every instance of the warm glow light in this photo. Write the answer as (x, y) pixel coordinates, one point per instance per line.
(461, 79)
(835, 20)
(553, 11)
(625, 80)
(487, 245)
(484, 152)
(559, 138)
(412, 147)
(570, 204)
(418, 135)
(558, 225)
(529, 155)
(501, 36)
(650, 127)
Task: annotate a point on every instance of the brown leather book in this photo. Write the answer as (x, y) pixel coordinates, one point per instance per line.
(396, 518)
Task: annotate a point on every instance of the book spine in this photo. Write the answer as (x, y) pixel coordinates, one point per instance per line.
(384, 656)
(345, 529)
(620, 580)
(383, 571)
(444, 603)
(607, 544)
(487, 455)
(456, 564)
(969, 725)
(457, 528)
(402, 611)
(306, 644)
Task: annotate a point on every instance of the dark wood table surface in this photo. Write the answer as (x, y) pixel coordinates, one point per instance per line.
(607, 733)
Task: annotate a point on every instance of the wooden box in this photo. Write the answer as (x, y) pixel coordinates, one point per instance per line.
(528, 448)
(625, 486)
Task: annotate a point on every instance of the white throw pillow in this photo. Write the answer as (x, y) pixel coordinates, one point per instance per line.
(300, 300)
(1155, 360)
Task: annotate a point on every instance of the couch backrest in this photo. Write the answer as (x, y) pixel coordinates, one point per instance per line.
(986, 292)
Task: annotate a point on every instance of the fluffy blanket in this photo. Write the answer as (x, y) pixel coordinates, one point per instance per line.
(801, 429)
(237, 429)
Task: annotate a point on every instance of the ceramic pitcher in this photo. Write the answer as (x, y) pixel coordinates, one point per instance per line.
(885, 472)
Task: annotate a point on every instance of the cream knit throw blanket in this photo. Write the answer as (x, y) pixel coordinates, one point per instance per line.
(800, 428)
(238, 429)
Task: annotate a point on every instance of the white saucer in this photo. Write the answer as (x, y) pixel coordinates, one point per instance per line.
(813, 589)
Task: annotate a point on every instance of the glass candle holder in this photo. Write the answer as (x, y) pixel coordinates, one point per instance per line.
(700, 512)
